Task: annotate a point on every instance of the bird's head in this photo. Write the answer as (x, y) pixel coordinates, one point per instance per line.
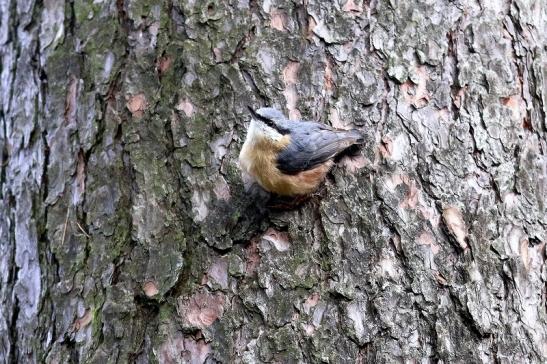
(270, 115)
(269, 122)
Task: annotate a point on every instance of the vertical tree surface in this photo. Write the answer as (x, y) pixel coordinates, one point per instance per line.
(126, 232)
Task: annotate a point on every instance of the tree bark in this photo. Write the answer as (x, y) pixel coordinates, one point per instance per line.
(128, 235)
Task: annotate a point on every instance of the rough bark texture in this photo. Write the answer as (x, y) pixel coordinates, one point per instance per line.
(126, 233)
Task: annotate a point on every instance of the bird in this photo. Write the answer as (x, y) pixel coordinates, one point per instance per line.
(291, 157)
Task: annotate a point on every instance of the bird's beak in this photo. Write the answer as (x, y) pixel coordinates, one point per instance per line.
(254, 113)
(266, 121)
(271, 123)
(260, 117)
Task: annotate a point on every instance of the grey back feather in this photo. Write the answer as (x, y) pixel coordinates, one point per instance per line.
(312, 144)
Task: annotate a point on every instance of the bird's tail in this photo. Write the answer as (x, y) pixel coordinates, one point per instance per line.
(357, 136)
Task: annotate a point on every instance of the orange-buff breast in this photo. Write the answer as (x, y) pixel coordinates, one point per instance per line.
(262, 164)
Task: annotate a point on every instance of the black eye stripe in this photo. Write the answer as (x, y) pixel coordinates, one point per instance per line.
(269, 123)
(266, 121)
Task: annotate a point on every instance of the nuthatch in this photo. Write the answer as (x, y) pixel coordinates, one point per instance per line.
(290, 157)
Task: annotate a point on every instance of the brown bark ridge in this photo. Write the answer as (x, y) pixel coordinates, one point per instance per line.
(126, 231)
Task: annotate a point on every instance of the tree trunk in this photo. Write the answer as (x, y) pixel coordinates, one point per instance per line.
(127, 233)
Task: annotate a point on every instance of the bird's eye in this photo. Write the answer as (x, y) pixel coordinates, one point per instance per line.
(270, 123)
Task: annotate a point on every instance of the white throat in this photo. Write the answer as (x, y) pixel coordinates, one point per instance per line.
(257, 130)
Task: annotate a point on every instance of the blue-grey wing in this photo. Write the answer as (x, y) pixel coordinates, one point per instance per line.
(312, 144)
